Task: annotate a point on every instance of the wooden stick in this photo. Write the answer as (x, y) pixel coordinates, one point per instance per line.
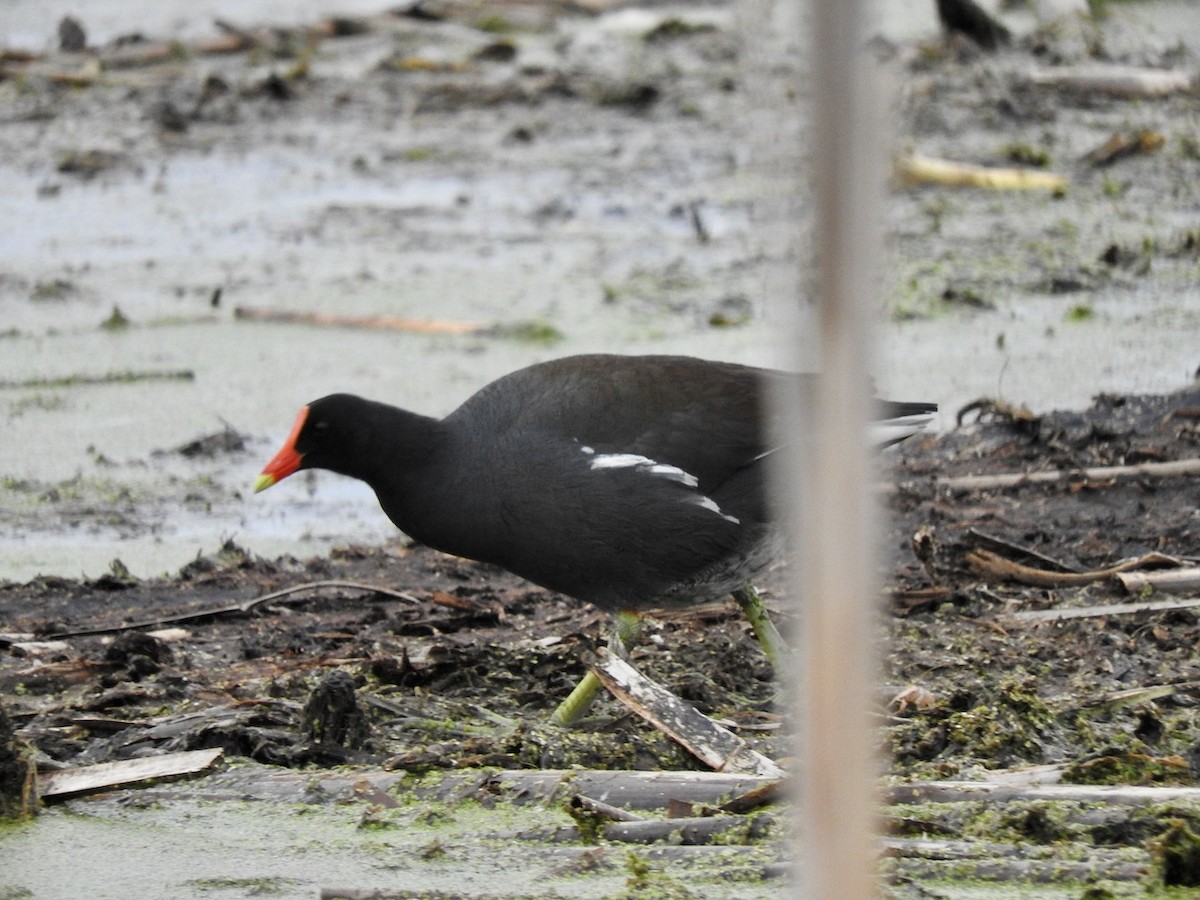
(382, 323)
(774, 792)
(992, 565)
(712, 744)
(627, 789)
(1120, 145)
(683, 831)
(133, 56)
(365, 790)
(1095, 612)
(975, 791)
(106, 776)
(911, 170)
(1132, 696)
(1176, 581)
(1116, 81)
(222, 44)
(992, 862)
(85, 77)
(607, 810)
(1169, 469)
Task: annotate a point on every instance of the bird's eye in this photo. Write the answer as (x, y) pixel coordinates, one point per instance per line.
(320, 426)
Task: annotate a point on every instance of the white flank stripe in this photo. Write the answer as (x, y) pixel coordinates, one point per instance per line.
(644, 464)
(660, 470)
(710, 503)
(620, 461)
(675, 474)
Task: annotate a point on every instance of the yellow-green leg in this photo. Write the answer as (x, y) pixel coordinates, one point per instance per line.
(768, 635)
(629, 628)
(626, 631)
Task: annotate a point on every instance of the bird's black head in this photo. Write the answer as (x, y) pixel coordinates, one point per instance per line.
(330, 433)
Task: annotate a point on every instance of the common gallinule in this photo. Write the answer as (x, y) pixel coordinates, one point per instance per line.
(630, 482)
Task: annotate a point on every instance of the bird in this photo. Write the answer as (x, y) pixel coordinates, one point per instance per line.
(969, 19)
(627, 482)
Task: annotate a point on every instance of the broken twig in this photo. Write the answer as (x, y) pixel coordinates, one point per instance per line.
(684, 831)
(1168, 469)
(993, 565)
(1096, 612)
(378, 323)
(762, 795)
(243, 607)
(711, 743)
(628, 789)
(912, 170)
(1015, 551)
(1119, 146)
(975, 791)
(604, 810)
(1175, 581)
(1116, 81)
(1133, 696)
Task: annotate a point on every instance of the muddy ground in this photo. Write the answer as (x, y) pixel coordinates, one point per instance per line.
(455, 666)
(545, 151)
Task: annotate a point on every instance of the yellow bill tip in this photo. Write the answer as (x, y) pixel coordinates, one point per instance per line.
(263, 481)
